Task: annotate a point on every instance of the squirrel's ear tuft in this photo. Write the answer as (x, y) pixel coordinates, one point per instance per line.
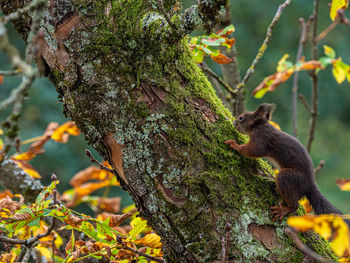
(264, 110)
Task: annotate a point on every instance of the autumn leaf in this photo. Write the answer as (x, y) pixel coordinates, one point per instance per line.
(110, 204)
(328, 51)
(1, 79)
(10, 205)
(306, 204)
(62, 133)
(327, 226)
(274, 124)
(36, 147)
(340, 70)
(150, 240)
(344, 184)
(5, 193)
(90, 173)
(114, 220)
(336, 5)
(310, 65)
(226, 31)
(28, 168)
(221, 59)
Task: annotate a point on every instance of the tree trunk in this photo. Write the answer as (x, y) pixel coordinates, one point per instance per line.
(121, 69)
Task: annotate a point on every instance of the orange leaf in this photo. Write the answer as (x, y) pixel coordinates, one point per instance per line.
(5, 193)
(221, 59)
(1, 79)
(344, 184)
(10, 205)
(230, 41)
(90, 173)
(311, 65)
(62, 133)
(28, 168)
(306, 204)
(271, 82)
(36, 147)
(150, 240)
(110, 204)
(88, 188)
(114, 220)
(73, 220)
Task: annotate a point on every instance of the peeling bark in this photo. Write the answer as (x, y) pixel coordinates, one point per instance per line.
(118, 72)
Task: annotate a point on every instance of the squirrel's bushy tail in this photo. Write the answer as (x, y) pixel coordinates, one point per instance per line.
(321, 205)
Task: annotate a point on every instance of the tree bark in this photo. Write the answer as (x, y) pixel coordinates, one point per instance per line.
(121, 69)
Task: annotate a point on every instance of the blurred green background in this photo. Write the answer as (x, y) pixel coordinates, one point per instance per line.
(251, 19)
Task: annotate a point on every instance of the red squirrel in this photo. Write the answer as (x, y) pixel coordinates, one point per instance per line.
(296, 176)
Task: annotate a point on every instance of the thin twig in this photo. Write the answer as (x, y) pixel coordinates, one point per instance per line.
(264, 46)
(164, 13)
(304, 30)
(319, 166)
(10, 72)
(220, 80)
(325, 32)
(34, 5)
(93, 160)
(314, 109)
(343, 19)
(120, 241)
(302, 247)
(303, 101)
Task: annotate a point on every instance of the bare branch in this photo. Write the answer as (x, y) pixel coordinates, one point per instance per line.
(220, 80)
(264, 46)
(302, 247)
(304, 30)
(314, 77)
(319, 166)
(303, 101)
(325, 32)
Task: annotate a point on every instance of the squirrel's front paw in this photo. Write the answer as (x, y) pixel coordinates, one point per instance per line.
(231, 143)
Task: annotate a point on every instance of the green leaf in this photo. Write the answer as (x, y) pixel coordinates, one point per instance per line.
(138, 225)
(213, 42)
(46, 192)
(35, 222)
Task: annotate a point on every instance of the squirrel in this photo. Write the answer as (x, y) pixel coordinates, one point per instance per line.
(296, 176)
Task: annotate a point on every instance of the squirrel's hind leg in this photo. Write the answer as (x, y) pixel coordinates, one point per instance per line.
(287, 182)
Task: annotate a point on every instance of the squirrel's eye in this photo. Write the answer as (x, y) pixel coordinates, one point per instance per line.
(240, 118)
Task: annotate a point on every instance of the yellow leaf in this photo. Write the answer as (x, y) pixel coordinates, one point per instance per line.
(302, 223)
(344, 184)
(338, 71)
(281, 63)
(341, 243)
(61, 134)
(138, 225)
(1, 132)
(274, 124)
(336, 5)
(1, 144)
(306, 204)
(28, 168)
(45, 252)
(328, 51)
(150, 240)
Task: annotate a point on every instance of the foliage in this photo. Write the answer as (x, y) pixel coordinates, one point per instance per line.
(99, 237)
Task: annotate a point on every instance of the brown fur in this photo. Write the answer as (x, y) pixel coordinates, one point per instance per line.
(296, 176)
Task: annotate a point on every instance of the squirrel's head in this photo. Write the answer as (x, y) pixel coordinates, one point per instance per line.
(247, 121)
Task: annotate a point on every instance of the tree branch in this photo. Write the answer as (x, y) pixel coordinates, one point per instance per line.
(314, 77)
(264, 46)
(304, 30)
